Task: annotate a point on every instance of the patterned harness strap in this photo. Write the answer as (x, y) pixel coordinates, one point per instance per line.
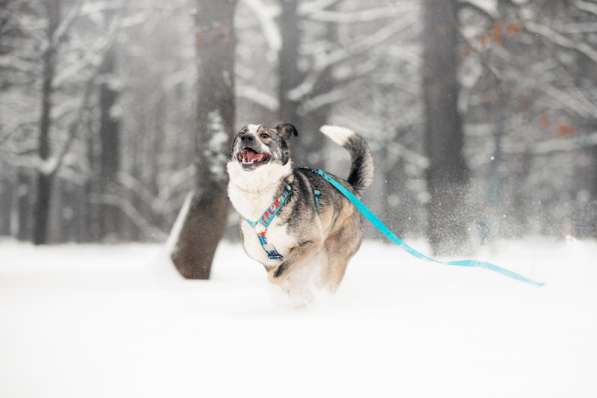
(260, 226)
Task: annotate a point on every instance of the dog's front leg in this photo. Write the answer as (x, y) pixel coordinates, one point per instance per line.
(296, 257)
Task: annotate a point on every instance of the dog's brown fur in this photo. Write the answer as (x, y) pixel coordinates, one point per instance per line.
(335, 234)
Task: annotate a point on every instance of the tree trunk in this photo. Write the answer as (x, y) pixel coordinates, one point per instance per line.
(6, 188)
(586, 79)
(447, 175)
(289, 74)
(22, 203)
(109, 133)
(45, 179)
(202, 226)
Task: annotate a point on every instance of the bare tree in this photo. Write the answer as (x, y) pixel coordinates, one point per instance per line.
(289, 73)
(44, 179)
(447, 174)
(203, 218)
(109, 134)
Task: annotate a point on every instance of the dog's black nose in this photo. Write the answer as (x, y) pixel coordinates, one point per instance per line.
(247, 139)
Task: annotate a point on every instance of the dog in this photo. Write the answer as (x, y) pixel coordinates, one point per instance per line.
(299, 227)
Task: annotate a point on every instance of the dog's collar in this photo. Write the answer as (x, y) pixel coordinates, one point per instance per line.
(260, 226)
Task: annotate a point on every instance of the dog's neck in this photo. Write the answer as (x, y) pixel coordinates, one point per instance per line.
(252, 192)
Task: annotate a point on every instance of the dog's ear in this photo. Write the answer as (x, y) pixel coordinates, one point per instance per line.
(286, 130)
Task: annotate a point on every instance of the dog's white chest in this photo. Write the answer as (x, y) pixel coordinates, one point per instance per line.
(251, 205)
(277, 237)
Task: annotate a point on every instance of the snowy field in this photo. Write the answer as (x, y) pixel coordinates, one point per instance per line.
(117, 321)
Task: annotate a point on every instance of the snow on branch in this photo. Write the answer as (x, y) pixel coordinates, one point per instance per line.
(586, 6)
(549, 147)
(362, 46)
(481, 7)
(331, 97)
(120, 202)
(579, 104)
(340, 55)
(340, 91)
(53, 164)
(366, 15)
(358, 121)
(266, 16)
(257, 96)
(561, 40)
(15, 63)
(135, 186)
(160, 203)
(306, 8)
(66, 24)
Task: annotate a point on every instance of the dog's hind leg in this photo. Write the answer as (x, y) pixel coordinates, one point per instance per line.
(340, 247)
(334, 272)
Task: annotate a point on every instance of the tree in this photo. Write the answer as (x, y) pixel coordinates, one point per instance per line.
(289, 73)
(447, 174)
(109, 134)
(317, 70)
(44, 178)
(50, 157)
(201, 223)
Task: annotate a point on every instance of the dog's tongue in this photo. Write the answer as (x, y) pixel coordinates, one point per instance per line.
(253, 156)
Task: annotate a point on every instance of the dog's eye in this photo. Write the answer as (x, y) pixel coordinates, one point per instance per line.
(264, 136)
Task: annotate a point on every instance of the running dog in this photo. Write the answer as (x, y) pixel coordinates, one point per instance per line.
(293, 222)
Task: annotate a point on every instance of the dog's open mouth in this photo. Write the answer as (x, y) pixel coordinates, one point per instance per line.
(249, 157)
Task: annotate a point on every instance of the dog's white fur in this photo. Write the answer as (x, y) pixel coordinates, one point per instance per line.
(340, 135)
(252, 193)
(253, 128)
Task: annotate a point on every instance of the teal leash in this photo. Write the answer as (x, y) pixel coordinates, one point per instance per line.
(381, 227)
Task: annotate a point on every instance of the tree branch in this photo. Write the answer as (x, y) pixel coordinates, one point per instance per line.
(150, 230)
(550, 147)
(336, 57)
(258, 97)
(366, 15)
(491, 15)
(586, 7)
(55, 162)
(561, 40)
(266, 15)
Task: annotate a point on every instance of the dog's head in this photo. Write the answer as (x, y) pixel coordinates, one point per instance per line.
(256, 146)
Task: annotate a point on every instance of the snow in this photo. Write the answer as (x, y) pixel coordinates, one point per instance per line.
(117, 321)
(216, 148)
(178, 224)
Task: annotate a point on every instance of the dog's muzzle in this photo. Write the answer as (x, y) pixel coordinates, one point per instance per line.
(250, 157)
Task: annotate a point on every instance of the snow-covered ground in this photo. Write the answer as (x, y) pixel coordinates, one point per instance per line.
(117, 321)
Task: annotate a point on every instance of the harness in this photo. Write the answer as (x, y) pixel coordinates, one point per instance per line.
(260, 226)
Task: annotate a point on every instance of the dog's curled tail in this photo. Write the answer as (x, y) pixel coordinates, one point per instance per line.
(361, 169)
